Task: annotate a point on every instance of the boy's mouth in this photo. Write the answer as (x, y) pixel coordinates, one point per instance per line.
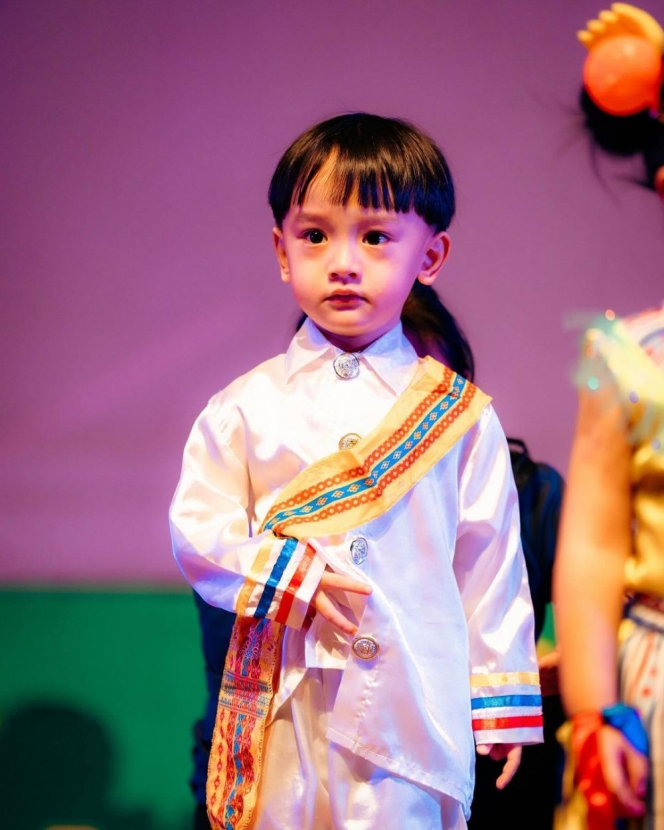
(345, 299)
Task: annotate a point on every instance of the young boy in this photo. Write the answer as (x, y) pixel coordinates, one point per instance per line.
(355, 506)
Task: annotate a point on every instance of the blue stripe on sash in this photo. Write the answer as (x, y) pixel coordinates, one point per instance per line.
(505, 700)
(277, 572)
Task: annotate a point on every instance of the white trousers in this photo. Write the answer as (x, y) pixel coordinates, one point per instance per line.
(310, 783)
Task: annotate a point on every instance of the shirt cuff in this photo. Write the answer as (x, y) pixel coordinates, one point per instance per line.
(282, 581)
(506, 708)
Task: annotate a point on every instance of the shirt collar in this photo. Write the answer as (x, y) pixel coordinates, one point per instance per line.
(391, 357)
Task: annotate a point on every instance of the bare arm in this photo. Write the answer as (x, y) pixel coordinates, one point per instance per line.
(593, 546)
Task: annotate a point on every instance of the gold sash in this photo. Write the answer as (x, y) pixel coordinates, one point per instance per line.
(333, 495)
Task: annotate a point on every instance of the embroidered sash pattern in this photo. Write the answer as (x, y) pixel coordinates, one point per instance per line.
(503, 703)
(244, 701)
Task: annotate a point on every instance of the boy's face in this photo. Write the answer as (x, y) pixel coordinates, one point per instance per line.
(352, 268)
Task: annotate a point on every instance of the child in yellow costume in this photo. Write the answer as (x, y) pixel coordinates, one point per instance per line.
(611, 544)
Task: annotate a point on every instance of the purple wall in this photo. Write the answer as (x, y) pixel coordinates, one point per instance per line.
(138, 139)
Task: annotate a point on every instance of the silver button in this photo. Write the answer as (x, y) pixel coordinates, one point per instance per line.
(359, 550)
(366, 648)
(346, 442)
(346, 366)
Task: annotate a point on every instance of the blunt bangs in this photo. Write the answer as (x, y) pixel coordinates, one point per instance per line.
(385, 163)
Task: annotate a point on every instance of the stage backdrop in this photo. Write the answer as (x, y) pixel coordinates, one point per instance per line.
(138, 140)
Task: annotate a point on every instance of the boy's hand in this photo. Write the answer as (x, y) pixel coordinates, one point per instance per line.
(323, 605)
(499, 751)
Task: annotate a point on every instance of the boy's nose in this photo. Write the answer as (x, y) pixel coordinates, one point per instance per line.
(344, 263)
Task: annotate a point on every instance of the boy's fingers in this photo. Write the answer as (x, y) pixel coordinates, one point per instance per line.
(510, 767)
(499, 751)
(333, 581)
(328, 610)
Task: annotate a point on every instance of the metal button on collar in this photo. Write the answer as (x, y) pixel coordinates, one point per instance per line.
(346, 366)
(366, 648)
(359, 549)
(349, 440)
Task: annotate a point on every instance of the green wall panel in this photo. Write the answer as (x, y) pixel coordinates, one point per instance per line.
(98, 694)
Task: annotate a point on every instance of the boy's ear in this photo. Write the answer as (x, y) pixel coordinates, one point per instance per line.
(280, 251)
(434, 257)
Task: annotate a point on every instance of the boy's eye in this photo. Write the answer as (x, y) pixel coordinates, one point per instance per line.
(314, 236)
(375, 238)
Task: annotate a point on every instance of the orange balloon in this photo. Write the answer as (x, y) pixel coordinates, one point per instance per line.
(623, 75)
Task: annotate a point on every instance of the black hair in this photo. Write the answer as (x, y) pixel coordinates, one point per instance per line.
(627, 135)
(385, 162)
(433, 330)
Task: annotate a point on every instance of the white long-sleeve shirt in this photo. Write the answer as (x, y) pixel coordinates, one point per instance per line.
(450, 610)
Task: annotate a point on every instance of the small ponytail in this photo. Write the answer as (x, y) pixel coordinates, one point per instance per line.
(433, 330)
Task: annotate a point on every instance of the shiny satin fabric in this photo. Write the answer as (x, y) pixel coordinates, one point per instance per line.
(330, 787)
(450, 595)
